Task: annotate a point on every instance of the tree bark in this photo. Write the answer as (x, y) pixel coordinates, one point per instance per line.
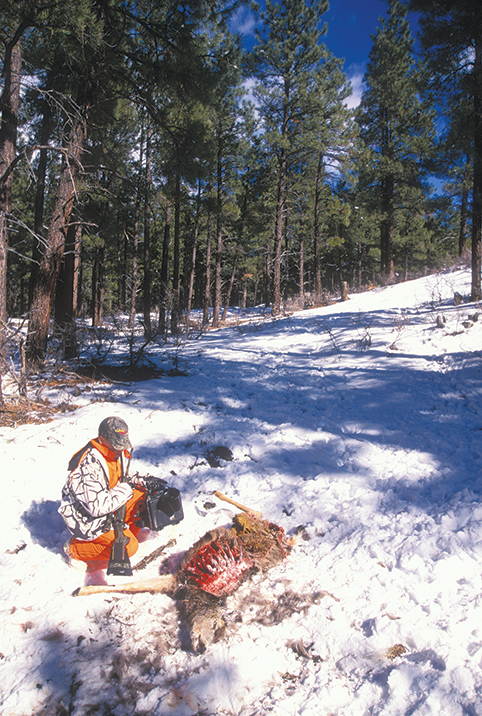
(463, 223)
(236, 256)
(219, 235)
(267, 277)
(10, 104)
(316, 228)
(477, 187)
(163, 295)
(44, 289)
(387, 268)
(176, 298)
(302, 269)
(66, 295)
(207, 279)
(121, 272)
(135, 248)
(45, 131)
(278, 235)
(147, 235)
(98, 285)
(192, 270)
(230, 286)
(164, 287)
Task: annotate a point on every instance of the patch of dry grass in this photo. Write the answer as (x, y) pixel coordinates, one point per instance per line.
(19, 411)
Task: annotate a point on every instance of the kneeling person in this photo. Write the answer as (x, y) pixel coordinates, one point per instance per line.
(94, 491)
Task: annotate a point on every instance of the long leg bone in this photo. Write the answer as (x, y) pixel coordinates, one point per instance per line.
(220, 496)
(160, 585)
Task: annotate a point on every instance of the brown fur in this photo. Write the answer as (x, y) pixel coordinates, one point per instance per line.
(260, 543)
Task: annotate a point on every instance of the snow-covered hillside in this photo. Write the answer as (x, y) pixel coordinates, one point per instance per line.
(361, 421)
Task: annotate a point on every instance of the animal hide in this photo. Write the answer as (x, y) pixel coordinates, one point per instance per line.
(212, 570)
(215, 567)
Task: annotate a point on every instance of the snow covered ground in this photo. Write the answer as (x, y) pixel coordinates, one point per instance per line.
(361, 421)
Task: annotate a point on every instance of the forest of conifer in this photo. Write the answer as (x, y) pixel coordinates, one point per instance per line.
(151, 166)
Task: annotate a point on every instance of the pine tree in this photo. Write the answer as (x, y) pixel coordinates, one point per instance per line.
(451, 37)
(138, 50)
(10, 103)
(330, 143)
(225, 118)
(84, 85)
(455, 158)
(395, 126)
(285, 59)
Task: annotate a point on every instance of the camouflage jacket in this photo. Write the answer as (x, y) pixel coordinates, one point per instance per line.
(88, 503)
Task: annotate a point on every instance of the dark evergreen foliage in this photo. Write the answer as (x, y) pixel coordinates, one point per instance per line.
(451, 40)
(136, 177)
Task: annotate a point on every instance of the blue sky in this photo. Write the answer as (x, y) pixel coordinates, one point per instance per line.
(350, 26)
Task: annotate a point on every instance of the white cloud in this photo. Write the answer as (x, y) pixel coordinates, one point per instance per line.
(243, 21)
(356, 81)
(248, 86)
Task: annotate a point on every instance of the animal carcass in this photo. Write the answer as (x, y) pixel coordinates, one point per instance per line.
(213, 569)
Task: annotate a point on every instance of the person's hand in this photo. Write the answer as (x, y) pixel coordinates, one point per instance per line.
(137, 481)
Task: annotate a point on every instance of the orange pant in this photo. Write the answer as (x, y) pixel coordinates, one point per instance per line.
(96, 552)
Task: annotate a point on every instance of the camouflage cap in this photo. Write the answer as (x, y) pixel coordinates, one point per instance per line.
(116, 431)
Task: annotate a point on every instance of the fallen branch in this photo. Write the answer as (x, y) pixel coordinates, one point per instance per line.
(142, 564)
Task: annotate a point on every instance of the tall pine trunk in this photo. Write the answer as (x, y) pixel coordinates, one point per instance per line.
(45, 132)
(207, 274)
(163, 295)
(147, 235)
(98, 285)
(66, 294)
(134, 279)
(229, 291)
(48, 270)
(278, 235)
(267, 276)
(192, 268)
(135, 247)
(464, 212)
(477, 187)
(121, 272)
(8, 142)
(219, 234)
(316, 228)
(302, 268)
(387, 269)
(236, 256)
(176, 288)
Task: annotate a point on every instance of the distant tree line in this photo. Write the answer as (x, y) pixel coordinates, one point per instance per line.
(149, 165)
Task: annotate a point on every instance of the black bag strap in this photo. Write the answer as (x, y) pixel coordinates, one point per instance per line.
(75, 459)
